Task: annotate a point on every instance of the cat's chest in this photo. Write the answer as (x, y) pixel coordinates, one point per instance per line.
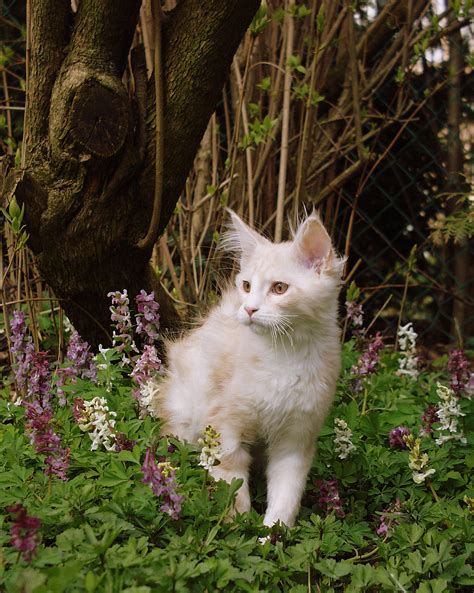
(287, 385)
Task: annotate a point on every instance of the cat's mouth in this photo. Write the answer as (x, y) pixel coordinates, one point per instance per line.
(259, 326)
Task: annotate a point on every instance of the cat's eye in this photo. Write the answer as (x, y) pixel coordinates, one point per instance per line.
(246, 286)
(279, 287)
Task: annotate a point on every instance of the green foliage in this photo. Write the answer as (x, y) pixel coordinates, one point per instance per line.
(102, 531)
(260, 20)
(14, 216)
(458, 226)
(259, 130)
(353, 292)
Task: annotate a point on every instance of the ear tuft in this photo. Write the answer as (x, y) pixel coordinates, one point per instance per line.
(240, 238)
(312, 243)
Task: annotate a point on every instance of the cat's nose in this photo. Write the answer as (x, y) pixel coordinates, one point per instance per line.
(250, 310)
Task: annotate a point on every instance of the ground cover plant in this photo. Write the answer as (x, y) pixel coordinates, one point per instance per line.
(93, 499)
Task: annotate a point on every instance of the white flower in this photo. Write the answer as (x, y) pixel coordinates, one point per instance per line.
(408, 361)
(407, 365)
(420, 477)
(68, 326)
(146, 394)
(103, 358)
(407, 337)
(417, 461)
(343, 439)
(211, 450)
(208, 457)
(99, 422)
(448, 413)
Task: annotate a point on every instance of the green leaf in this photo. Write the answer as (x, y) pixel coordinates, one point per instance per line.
(333, 569)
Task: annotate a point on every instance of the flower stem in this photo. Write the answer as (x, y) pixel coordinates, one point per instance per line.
(433, 491)
(364, 403)
(358, 557)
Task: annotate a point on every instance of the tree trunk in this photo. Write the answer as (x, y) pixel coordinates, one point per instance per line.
(455, 177)
(88, 173)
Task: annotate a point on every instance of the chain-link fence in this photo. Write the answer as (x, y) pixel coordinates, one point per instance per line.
(407, 199)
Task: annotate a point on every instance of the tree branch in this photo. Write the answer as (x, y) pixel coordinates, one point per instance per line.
(49, 28)
(103, 33)
(199, 42)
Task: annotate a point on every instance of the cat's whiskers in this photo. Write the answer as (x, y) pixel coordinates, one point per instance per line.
(283, 326)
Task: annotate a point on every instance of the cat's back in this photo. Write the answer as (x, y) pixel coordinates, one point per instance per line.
(200, 365)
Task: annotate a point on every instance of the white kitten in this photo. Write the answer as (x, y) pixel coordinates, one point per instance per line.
(264, 364)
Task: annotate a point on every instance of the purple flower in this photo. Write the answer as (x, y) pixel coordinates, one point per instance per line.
(147, 365)
(162, 479)
(121, 318)
(395, 437)
(123, 443)
(35, 376)
(22, 348)
(39, 380)
(458, 366)
(45, 440)
(355, 313)
(24, 531)
(57, 463)
(81, 364)
(78, 408)
(329, 499)
(81, 358)
(368, 361)
(388, 518)
(148, 319)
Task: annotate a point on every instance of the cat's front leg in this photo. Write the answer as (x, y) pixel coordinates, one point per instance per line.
(288, 467)
(235, 463)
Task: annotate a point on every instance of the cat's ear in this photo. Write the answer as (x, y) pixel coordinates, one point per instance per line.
(240, 238)
(312, 243)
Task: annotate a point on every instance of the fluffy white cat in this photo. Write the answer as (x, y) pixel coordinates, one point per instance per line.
(263, 365)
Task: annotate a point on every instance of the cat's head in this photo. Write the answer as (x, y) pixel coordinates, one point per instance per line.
(289, 286)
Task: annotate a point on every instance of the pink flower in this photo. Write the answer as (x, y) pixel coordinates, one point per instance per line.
(369, 361)
(147, 365)
(23, 532)
(148, 319)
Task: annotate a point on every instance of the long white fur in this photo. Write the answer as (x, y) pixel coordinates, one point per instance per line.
(270, 377)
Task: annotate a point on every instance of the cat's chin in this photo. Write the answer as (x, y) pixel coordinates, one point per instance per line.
(258, 329)
(255, 326)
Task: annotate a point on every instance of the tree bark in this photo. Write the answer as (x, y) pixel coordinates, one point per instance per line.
(455, 183)
(89, 171)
